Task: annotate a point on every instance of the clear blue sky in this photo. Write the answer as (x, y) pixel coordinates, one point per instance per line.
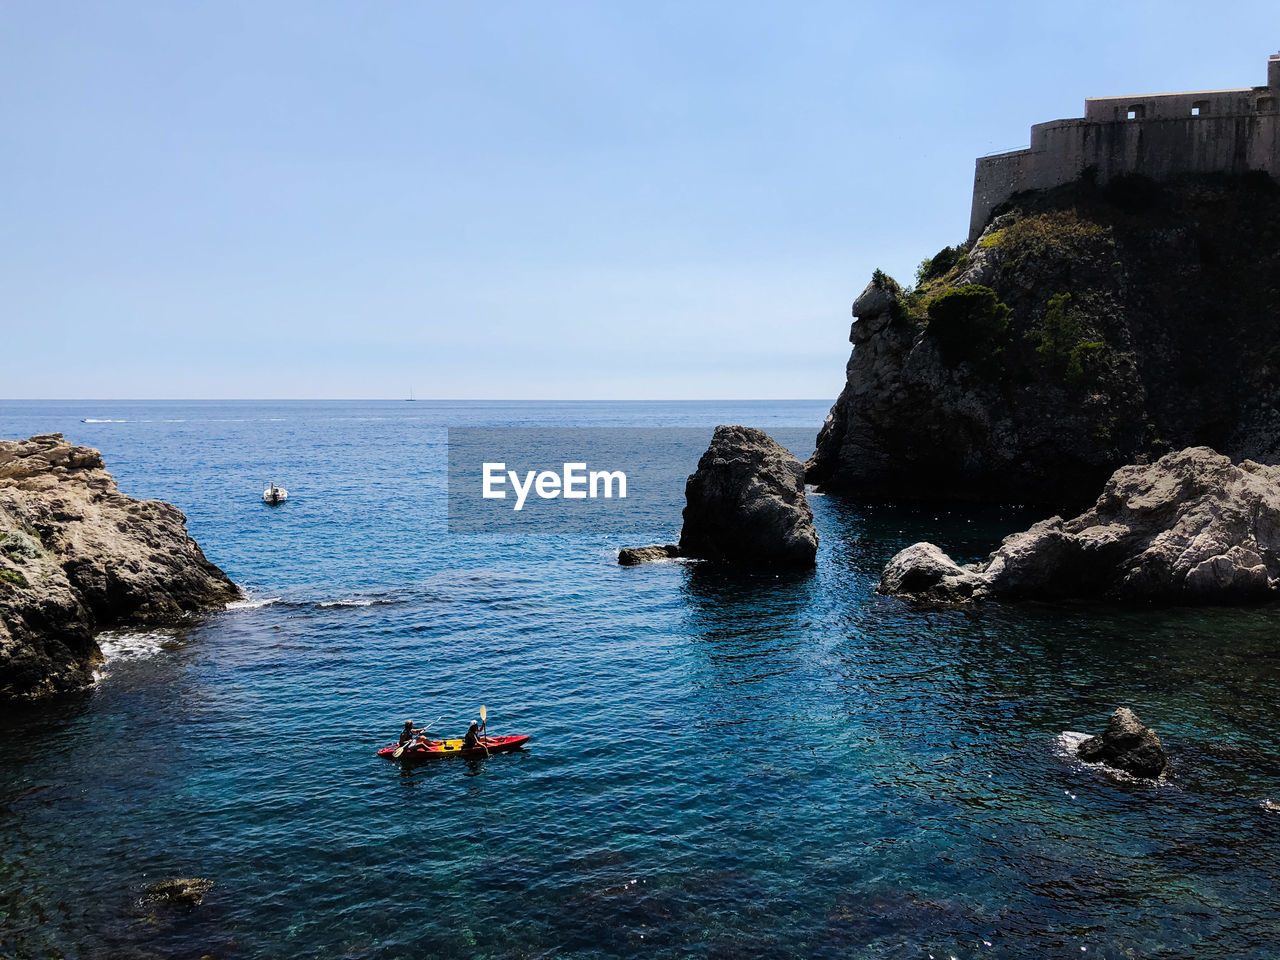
(517, 199)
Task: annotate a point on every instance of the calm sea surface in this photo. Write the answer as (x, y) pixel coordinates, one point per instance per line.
(721, 766)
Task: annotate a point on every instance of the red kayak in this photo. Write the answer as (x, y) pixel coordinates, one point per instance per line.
(443, 749)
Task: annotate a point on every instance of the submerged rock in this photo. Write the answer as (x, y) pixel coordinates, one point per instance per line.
(76, 555)
(1128, 745)
(1190, 528)
(745, 504)
(630, 556)
(187, 891)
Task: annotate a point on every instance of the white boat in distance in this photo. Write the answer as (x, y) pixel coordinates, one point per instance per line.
(275, 495)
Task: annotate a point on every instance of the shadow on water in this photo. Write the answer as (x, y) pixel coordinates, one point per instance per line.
(726, 603)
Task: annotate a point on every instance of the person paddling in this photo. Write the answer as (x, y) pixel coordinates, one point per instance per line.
(409, 732)
(472, 739)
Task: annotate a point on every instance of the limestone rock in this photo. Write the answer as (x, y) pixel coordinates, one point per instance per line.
(630, 556)
(76, 555)
(1128, 745)
(1190, 528)
(924, 572)
(745, 504)
(1162, 344)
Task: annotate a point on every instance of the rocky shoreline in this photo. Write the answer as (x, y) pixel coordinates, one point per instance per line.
(1191, 528)
(78, 556)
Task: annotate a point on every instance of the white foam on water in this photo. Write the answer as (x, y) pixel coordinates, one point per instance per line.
(252, 603)
(359, 601)
(121, 645)
(1068, 742)
(98, 420)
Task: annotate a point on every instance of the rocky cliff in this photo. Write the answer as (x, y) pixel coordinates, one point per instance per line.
(76, 555)
(1086, 328)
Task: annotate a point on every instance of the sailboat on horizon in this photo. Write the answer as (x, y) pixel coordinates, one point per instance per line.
(410, 398)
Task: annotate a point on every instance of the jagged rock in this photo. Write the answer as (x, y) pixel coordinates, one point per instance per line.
(187, 891)
(745, 504)
(76, 555)
(1191, 528)
(924, 572)
(1165, 342)
(1127, 745)
(630, 556)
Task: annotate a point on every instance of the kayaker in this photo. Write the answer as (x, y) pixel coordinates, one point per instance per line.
(472, 739)
(409, 732)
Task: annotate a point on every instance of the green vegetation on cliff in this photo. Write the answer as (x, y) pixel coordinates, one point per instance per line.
(969, 323)
(1087, 327)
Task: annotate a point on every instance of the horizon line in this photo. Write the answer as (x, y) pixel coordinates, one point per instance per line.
(406, 400)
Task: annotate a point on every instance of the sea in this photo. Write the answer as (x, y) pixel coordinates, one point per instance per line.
(722, 765)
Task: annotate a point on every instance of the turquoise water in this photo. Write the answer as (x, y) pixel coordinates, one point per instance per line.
(722, 765)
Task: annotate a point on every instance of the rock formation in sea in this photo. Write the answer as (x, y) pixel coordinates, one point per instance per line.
(630, 556)
(745, 505)
(184, 891)
(1086, 328)
(1128, 745)
(1190, 528)
(76, 556)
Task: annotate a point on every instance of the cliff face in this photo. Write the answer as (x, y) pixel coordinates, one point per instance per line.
(1086, 328)
(76, 555)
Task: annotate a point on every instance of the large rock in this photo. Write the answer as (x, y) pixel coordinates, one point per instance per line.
(1190, 528)
(1166, 340)
(1127, 745)
(744, 505)
(925, 572)
(76, 555)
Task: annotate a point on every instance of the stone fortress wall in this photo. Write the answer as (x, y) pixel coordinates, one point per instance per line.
(1159, 135)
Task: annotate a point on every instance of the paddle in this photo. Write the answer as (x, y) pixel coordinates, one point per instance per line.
(484, 725)
(400, 749)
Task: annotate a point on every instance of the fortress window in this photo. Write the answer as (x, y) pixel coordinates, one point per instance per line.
(1266, 104)
(1136, 112)
(1200, 108)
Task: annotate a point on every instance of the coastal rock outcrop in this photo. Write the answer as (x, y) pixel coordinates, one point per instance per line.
(924, 572)
(1086, 328)
(1190, 528)
(630, 556)
(76, 555)
(185, 891)
(744, 505)
(1129, 745)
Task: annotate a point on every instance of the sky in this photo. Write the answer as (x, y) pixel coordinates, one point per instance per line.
(517, 200)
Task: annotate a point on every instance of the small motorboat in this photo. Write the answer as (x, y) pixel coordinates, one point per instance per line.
(275, 495)
(444, 749)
